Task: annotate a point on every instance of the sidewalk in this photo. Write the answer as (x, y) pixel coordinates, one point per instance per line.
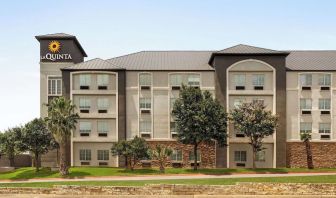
(163, 177)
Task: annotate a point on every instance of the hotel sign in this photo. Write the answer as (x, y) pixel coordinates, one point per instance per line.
(54, 52)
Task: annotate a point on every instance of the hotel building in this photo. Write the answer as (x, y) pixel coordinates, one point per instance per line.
(131, 95)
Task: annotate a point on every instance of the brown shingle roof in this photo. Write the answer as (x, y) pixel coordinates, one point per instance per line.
(164, 60)
(311, 60)
(93, 64)
(247, 49)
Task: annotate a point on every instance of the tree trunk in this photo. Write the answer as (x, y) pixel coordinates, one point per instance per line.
(11, 160)
(64, 169)
(254, 158)
(195, 157)
(36, 162)
(309, 155)
(162, 168)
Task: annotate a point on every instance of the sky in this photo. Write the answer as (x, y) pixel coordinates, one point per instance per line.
(112, 28)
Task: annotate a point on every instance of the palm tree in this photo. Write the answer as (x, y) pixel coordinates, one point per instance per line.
(161, 154)
(305, 137)
(61, 121)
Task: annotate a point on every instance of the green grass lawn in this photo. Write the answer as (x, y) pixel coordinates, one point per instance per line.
(227, 181)
(79, 172)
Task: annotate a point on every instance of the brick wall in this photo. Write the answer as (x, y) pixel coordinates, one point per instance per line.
(323, 154)
(208, 153)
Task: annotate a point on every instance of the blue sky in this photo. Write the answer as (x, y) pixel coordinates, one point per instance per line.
(111, 28)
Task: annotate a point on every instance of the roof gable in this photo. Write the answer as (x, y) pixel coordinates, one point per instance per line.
(247, 49)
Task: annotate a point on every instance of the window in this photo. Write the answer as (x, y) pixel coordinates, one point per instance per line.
(306, 79)
(240, 156)
(102, 127)
(55, 86)
(84, 80)
(84, 103)
(194, 80)
(305, 103)
(324, 128)
(173, 127)
(172, 102)
(176, 155)
(145, 80)
(325, 80)
(192, 156)
(103, 103)
(102, 79)
(145, 126)
(258, 79)
(260, 156)
(258, 100)
(175, 80)
(85, 154)
(145, 103)
(103, 155)
(305, 127)
(237, 102)
(84, 127)
(239, 80)
(324, 104)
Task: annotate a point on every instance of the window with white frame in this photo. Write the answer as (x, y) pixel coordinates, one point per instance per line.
(102, 79)
(325, 79)
(84, 154)
(324, 104)
(103, 155)
(306, 79)
(305, 127)
(237, 102)
(305, 103)
(102, 127)
(258, 79)
(258, 100)
(145, 103)
(192, 156)
(260, 156)
(84, 79)
(172, 102)
(84, 127)
(240, 156)
(173, 127)
(175, 80)
(145, 79)
(54, 86)
(145, 126)
(103, 103)
(84, 103)
(194, 80)
(239, 79)
(176, 155)
(324, 127)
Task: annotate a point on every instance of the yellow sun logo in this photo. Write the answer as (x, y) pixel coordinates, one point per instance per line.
(54, 46)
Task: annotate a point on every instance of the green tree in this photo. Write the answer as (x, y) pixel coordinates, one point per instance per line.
(61, 121)
(133, 150)
(9, 143)
(255, 122)
(305, 137)
(199, 118)
(37, 139)
(161, 153)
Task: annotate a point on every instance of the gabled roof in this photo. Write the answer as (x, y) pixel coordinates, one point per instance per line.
(164, 60)
(311, 60)
(247, 49)
(94, 64)
(61, 36)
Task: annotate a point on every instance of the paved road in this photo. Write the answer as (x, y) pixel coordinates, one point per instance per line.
(166, 177)
(163, 196)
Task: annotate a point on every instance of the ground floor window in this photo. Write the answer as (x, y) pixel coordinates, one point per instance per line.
(85, 154)
(192, 156)
(240, 156)
(260, 156)
(176, 155)
(103, 155)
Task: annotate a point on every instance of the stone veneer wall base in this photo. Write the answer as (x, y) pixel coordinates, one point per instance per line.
(177, 189)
